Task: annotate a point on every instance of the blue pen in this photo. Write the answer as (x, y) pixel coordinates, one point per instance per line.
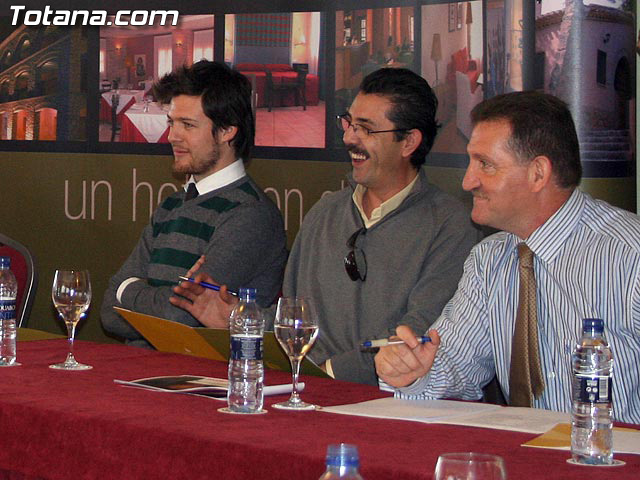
(383, 342)
(208, 285)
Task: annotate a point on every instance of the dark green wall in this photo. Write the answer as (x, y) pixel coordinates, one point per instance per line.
(33, 209)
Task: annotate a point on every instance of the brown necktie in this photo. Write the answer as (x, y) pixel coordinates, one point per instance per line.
(192, 192)
(525, 376)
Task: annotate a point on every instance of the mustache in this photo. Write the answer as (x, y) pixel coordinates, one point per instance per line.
(354, 149)
(476, 192)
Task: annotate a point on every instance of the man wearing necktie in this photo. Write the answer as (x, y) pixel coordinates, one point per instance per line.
(561, 256)
(221, 214)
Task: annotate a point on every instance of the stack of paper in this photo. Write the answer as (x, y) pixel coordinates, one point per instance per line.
(453, 412)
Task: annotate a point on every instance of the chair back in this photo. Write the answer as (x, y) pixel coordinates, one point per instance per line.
(23, 267)
(115, 101)
(301, 79)
(254, 92)
(269, 79)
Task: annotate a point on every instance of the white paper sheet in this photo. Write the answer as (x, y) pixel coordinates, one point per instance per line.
(452, 412)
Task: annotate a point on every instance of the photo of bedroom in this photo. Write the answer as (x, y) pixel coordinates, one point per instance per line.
(452, 63)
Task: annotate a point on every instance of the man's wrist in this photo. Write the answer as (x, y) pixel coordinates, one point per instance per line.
(123, 286)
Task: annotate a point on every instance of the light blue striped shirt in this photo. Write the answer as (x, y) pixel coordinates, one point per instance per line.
(587, 265)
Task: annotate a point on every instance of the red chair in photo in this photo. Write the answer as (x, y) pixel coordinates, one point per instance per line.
(24, 268)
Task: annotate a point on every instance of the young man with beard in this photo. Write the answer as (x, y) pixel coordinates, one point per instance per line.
(387, 250)
(221, 214)
(523, 172)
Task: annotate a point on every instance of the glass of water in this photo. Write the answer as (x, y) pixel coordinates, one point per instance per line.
(470, 466)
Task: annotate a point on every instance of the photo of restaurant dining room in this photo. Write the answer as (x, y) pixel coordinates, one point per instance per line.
(131, 59)
(279, 53)
(43, 82)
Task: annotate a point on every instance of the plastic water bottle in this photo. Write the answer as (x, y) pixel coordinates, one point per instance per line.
(342, 462)
(591, 421)
(8, 293)
(246, 372)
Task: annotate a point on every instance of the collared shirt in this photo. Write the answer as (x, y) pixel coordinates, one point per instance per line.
(587, 265)
(377, 214)
(385, 208)
(219, 179)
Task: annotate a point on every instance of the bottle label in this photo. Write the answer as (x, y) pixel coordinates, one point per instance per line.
(592, 389)
(7, 309)
(246, 347)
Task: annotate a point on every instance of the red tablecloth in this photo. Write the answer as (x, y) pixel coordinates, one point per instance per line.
(63, 425)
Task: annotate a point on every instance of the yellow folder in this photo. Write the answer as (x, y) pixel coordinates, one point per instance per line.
(213, 343)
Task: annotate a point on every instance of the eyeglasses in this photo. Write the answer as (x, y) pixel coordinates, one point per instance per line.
(355, 263)
(343, 122)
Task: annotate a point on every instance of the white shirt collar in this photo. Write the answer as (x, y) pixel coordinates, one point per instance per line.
(219, 179)
(385, 208)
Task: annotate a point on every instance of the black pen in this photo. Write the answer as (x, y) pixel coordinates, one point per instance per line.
(383, 342)
(208, 285)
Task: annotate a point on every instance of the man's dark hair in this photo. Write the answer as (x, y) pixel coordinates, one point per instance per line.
(226, 98)
(541, 124)
(413, 102)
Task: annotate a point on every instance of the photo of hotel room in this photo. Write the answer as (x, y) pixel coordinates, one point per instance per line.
(452, 60)
(278, 52)
(131, 59)
(42, 83)
(367, 40)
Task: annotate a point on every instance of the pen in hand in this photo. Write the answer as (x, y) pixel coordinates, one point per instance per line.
(208, 285)
(383, 342)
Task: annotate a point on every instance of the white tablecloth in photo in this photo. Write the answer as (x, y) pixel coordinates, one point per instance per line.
(152, 124)
(127, 98)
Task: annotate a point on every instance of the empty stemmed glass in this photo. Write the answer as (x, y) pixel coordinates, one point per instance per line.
(296, 328)
(71, 294)
(470, 466)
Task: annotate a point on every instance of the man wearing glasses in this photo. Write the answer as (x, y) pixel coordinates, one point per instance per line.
(387, 250)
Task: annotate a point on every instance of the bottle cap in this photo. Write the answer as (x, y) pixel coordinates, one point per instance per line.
(596, 324)
(343, 455)
(247, 293)
(5, 262)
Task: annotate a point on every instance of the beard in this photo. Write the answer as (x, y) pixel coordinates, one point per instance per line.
(198, 165)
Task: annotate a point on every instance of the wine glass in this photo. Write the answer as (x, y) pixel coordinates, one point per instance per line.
(470, 466)
(71, 294)
(296, 329)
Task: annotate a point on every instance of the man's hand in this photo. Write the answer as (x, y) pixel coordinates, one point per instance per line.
(401, 365)
(196, 266)
(209, 307)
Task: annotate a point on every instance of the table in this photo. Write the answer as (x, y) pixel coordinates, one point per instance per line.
(312, 86)
(63, 425)
(127, 98)
(140, 126)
